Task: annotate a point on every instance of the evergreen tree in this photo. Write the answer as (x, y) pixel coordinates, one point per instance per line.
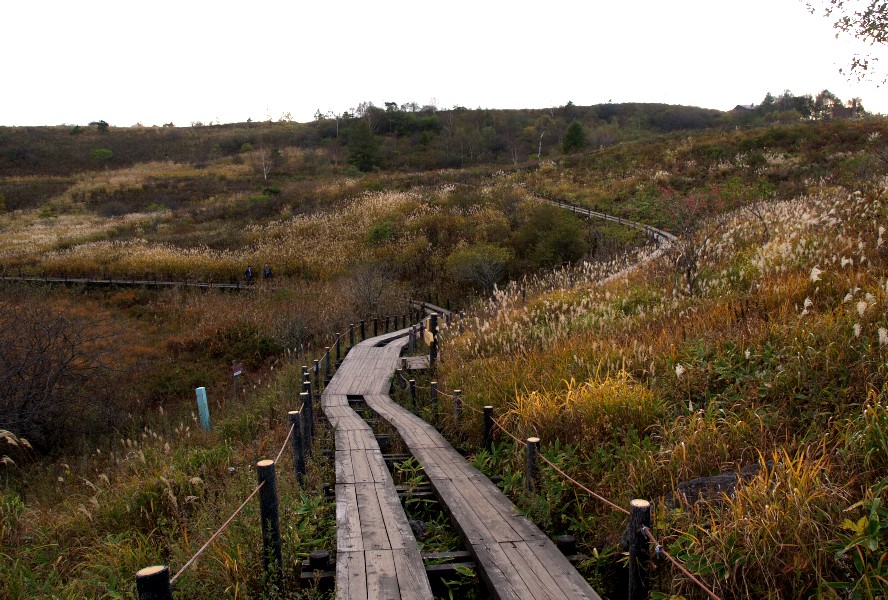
(575, 138)
(363, 149)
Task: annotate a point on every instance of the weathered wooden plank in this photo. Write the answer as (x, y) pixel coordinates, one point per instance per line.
(345, 472)
(539, 581)
(396, 526)
(359, 439)
(472, 528)
(549, 559)
(342, 439)
(373, 531)
(382, 576)
(369, 467)
(430, 465)
(497, 571)
(412, 578)
(349, 536)
(378, 469)
(351, 576)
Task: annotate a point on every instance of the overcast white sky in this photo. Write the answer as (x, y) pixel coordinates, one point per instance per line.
(131, 61)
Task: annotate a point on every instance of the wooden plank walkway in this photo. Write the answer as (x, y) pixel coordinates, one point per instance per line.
(155, 283)
(377, 557)
(515, 559)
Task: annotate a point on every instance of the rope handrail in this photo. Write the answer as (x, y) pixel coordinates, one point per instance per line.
(239, 509)
(283, 447)
(583, 487)
(658, 549)
(217, 534)
(508, 433)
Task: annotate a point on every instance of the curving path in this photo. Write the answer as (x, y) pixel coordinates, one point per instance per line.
(663, 237)
(377, 555)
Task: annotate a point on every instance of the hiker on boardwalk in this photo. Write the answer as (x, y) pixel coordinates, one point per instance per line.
(266, 272)
(248, 274)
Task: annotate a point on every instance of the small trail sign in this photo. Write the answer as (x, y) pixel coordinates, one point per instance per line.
(236, 370)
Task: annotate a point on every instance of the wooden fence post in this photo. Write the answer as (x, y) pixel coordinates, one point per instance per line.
(306, 388)
(351, 335)
(363, 331)
(375, 326)
(567, 544)
(153, 583)
(272, 561)
(533, 448)
(317, 375)
(412, 384)
(338, 350)
(411, 342)
(488, 428)
(457, 408)
(639, 548)
(327, 361)
(387, 319)
(399, 378)
(307, 411)
(298, 445)
(433, 394)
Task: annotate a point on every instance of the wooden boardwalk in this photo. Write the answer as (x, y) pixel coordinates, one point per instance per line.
(375, 548)
(377, 557)
(149, 283)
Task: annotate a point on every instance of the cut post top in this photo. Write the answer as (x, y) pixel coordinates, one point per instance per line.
(265, 463)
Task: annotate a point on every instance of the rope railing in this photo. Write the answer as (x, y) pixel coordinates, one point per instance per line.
(283, 447)
(234, 514)
(658, 550)
(583, 487)
(508, 433)
(217, 534)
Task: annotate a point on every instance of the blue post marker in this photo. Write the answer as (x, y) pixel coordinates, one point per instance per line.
(203, 408)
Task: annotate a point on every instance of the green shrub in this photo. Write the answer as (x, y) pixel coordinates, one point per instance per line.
(382, 232)
(101, 154)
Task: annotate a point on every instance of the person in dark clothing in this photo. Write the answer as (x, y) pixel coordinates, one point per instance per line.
(266, 272)
(248, 274)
